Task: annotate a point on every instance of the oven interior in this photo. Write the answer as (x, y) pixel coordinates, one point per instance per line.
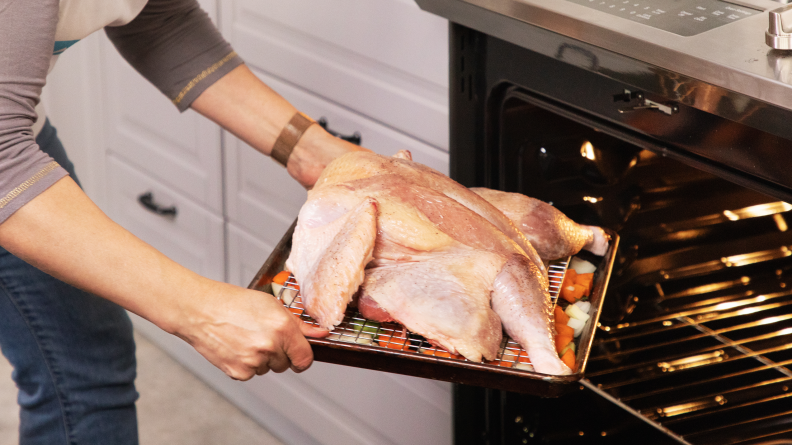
(695, 338)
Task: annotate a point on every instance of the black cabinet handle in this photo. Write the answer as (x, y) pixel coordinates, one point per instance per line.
(354, 138)
(147, 201)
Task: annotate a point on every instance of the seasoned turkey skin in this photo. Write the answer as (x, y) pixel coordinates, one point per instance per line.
(420, 249)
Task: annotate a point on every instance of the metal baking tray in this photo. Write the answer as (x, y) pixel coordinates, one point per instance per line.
(406, 353)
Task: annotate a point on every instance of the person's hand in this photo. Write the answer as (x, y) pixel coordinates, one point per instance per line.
(245, 333)
(316, 149)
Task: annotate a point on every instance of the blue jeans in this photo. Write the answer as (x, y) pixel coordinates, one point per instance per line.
(72, 352)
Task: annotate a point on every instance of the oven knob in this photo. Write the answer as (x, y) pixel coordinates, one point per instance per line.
(778, 35)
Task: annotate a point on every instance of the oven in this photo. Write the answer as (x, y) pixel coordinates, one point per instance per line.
(669, 122)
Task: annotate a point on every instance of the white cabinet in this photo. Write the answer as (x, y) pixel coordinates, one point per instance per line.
(376, 68)
(186, 232)
(386, 59)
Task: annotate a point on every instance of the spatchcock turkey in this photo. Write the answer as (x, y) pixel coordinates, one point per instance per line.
(455, 265)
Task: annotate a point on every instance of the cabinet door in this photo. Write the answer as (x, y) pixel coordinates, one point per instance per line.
(386, 59)
(335, 404)
(192, 238)
(143, 127)
(264, 199)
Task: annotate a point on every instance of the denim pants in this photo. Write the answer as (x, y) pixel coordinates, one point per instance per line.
(73, 353)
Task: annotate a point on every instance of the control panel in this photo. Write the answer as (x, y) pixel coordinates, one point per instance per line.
(682, 17)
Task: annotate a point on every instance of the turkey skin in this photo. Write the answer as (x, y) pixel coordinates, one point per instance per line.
(413, 246)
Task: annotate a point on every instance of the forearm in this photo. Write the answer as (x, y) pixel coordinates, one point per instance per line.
(64, 234)
(245, 106)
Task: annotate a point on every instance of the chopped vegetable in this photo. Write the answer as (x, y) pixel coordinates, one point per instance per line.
(572, 293)
(523, 358)
(569, 359)
(570, 278)
(281, 277)
(584, 306)
(577, 325)
(439, 352)
(525, 366)
(575, 312)
(581, 266)
(362, 338)
(560, 316)
(564, 330)
(562, 342)
(296, 310)
(586, 280)
(390, 337)
(288, 294)
(564, 349)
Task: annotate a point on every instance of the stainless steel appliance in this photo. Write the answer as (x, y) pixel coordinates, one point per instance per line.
(668, 121)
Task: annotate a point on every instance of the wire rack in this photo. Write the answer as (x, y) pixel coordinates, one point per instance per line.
(358, 330)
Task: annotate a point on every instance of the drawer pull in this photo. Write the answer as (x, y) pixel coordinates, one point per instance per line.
(355, 138)
(147, 201)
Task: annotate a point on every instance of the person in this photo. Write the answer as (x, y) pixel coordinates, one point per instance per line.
(67, 271)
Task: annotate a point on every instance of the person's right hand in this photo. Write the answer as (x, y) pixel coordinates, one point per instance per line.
(245, 332)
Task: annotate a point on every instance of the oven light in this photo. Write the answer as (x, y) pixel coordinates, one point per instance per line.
(587, 151)
(591, 199)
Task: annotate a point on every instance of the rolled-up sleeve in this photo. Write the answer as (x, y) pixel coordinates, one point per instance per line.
(174, 45)
(27, 35)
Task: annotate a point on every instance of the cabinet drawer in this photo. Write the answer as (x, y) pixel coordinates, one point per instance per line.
(193, 238)
(144, 128)
(264, 199)
(386, 59)
(246, 254)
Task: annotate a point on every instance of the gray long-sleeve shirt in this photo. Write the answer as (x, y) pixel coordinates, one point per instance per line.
(170, 42)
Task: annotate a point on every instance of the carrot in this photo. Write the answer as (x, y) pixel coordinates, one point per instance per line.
(560, 316)
(572, 293)
(562, 341)
(586, 280)
(296, 310)
(564, 331)
(569, 359)
(281, 277)
(569, 277)
(523, 358)
(439, 352)
(395, 341)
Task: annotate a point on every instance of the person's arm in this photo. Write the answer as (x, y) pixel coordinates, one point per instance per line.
(242, 332)
(245, 106)
(174, 45)
(47, 220)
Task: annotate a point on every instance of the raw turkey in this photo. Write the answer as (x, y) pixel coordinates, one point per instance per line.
(550, 232)
(418, 248)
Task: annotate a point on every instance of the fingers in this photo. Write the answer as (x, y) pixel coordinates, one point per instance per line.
(313, 331)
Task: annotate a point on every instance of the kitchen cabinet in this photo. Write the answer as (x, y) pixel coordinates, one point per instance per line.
(374, 68)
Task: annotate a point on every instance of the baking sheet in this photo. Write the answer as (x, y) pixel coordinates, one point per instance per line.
(387, 347)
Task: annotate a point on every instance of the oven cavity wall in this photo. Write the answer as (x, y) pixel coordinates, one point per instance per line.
(375, 70)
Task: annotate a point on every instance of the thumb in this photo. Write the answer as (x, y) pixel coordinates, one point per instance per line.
(313, 331)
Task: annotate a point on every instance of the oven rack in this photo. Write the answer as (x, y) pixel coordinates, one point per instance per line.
(712, 364)
(356, 329)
